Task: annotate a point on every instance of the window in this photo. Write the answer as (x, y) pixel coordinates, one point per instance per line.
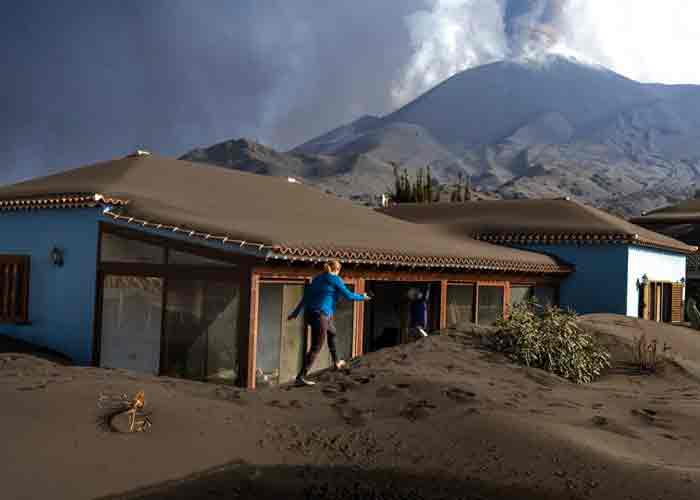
(521, 293)
(201, 325)
(460, 304)
(117, 249)
(132, 310)
(545, 295)
(14, 288)
(490, 308)
(177, 257)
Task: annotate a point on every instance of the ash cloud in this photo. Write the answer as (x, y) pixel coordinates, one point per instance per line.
(649, 41)
(94, 80)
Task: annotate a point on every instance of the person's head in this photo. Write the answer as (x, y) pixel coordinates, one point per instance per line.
(412, 294)
(332, 266)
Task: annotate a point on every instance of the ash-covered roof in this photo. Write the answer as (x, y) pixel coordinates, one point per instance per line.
(283, 220)
(534, 221)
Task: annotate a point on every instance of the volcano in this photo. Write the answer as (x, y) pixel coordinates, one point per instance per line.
(540, 128)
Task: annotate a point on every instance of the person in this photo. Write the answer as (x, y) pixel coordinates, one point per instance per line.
(418, 311)
(318, 303)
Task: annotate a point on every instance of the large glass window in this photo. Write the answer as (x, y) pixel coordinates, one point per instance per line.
(185, 258)
(460, 304)
(196, 336)
(521, 293)
(117, 249)
(545, 295)
(280, 343)
(201, 319)
(490, 304)
(131, 323)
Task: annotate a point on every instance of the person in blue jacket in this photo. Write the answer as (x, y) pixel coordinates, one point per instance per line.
(318, 303)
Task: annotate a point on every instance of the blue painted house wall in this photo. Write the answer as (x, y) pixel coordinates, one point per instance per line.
(61, 299)
(605, 280)
(599, 283)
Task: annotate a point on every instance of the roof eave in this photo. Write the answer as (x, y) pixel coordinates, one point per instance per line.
(365, 257)
(582, 239)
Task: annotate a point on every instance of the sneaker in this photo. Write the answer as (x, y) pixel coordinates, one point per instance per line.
(422, 332)
(341, 365)
(303, 381)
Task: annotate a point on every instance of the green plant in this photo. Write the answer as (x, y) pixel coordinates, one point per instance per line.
(552, 341)
(419, 191)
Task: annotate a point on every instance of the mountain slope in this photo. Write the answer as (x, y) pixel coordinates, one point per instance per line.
(551, 128)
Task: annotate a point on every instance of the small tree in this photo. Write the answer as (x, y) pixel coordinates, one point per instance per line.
(458, 196)
(468, 189)
(418, 191)
(428, 186)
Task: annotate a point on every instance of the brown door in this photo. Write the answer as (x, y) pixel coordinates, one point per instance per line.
(666, 302)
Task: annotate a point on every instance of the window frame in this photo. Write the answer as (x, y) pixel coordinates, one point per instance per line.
(14, 309)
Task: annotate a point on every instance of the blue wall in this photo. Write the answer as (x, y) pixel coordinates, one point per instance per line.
(599, 283)
(61, 299)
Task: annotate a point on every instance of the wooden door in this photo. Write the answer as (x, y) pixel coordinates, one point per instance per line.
(677, 302)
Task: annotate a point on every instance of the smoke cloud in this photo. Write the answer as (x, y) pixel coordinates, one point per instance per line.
(450, 36)
(649, 41)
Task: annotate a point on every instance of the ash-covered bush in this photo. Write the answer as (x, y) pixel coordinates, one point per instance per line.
(550, 339)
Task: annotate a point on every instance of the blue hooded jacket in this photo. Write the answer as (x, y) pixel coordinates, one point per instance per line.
(323, 293)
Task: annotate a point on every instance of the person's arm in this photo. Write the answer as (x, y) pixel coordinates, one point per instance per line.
(347, 294)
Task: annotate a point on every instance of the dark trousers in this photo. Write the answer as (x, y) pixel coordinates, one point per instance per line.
(322, 326)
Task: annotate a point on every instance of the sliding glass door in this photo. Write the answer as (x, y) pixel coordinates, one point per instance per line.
(168, 311)
(200, 316)
(280, 343)
(132, 311)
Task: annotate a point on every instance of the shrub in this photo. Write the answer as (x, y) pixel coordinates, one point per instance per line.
(552, 341)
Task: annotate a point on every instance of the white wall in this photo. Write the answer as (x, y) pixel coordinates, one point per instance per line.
(657, 265)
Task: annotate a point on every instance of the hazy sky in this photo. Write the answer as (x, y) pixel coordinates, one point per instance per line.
(85, 80)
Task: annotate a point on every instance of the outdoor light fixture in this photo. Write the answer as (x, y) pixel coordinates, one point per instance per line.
(57, 257)
(644, 281)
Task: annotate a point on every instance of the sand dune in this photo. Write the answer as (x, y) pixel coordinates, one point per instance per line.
(440, 418)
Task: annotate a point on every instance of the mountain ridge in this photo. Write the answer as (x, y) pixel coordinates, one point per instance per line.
(557, 128)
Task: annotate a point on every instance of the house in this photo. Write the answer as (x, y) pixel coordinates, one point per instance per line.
(620, 267)
(169, 267)
(682, 222)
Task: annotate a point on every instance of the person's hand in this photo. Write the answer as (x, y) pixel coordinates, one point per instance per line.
(367, 297)
(291, 317)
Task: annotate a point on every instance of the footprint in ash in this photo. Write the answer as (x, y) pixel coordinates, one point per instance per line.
(460, 395)
(417, 410)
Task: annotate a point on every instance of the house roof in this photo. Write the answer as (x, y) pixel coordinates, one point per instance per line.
(685, 212)
(553, 221)
(282, 220)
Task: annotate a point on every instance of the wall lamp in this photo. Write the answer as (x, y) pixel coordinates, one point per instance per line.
(643, 281)
(57, 256)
